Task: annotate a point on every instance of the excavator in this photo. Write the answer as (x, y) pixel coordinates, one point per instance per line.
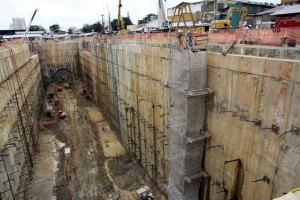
(121, 25)
(227, 22)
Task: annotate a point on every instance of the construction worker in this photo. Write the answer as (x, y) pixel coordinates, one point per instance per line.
(69, 176)
(246, 32)
(180, 38)
(74, 167)
(191, 37)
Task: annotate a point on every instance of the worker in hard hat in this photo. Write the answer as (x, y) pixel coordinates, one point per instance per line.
(74, 167)
(191, 38)
(246, 33)
(180, 38)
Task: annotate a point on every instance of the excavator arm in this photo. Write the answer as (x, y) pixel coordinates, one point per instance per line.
(121, 25)
(226, 24)
(244, 13)
(232, 10)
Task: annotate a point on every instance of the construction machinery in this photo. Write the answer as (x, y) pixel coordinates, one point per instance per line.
(163, 22)
(121, 25)
(227, 23)
(28, 27)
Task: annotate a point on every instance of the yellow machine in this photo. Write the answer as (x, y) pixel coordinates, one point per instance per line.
(227, 22)
(121, 25)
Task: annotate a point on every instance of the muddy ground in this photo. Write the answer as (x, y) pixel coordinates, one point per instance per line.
(97, 167)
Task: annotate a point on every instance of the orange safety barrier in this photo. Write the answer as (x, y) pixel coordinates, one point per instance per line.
(140, 36)
(256, 36)
(272, 37)
(201, 39)
(14, 42)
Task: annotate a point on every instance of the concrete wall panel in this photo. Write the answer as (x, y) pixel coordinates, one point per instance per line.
(253, 88)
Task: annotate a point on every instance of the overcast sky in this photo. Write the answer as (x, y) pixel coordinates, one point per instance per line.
(68, 13)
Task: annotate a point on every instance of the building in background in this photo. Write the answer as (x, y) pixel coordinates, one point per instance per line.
(265, 19)
(18, 24)
(204, 12)
(211, 8)
(290, 1)
(253, 8)
(196, 12)
(287, 17)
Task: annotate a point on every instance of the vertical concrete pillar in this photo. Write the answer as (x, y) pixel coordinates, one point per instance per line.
(186, 123)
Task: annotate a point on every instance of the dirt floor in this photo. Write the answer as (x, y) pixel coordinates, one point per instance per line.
(80, 156)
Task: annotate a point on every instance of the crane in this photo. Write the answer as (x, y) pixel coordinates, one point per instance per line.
(163, 23)
(28, 27)
(121, 25)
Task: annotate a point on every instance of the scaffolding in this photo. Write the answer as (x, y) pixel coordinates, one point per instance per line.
(188, 92)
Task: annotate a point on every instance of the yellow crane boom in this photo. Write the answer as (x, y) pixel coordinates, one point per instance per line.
(121, 25)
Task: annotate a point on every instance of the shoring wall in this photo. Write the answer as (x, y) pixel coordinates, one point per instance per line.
(144, 95)
(56, 55)
(129, 82)
(248, 88)
(188, 93)
(20, 90)
(132, 83)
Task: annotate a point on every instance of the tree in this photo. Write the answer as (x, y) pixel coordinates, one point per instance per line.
(141, 21)
(36, 28)
(147, 18)
(41, 28)
(114, 23)
(70, 31)
(97, 27)
(54, 28)
(87, 28)
(127, 22)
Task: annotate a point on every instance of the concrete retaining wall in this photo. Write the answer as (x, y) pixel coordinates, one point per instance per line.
(20, 89)
(258, 50)
(57, 55)
(248, 88)
(128, 82)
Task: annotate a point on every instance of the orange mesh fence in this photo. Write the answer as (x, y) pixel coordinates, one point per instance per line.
(140, 36)
(270, 37)
(15, 41)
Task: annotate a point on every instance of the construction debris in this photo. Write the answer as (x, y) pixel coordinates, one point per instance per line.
(59, 89)
(144, 193)
(62, 114)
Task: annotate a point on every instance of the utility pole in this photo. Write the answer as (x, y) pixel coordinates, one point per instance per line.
(102, 25)
(109, 24)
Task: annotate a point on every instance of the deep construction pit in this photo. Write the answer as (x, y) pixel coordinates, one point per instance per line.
(161, 111)
(103, 169)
